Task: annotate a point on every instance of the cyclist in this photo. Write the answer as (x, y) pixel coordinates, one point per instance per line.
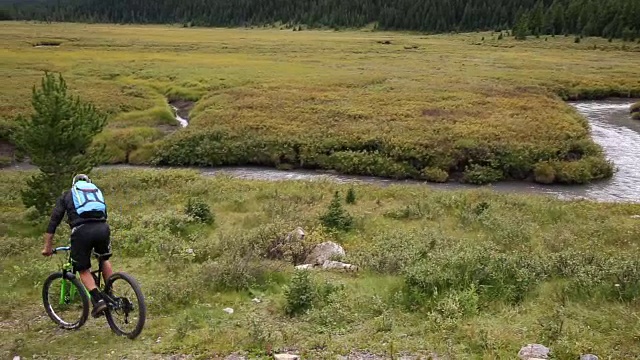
(87, 218)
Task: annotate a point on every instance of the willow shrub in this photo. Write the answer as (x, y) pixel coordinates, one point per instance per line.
(477, 162)
(121, 145)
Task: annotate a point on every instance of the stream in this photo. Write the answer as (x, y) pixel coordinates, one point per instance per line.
(611, 127)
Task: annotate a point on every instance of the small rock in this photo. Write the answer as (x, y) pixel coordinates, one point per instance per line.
(338, 265)
(635, 216)
(533, 352)
(158, 340)
(228, 310)
(588, 357)
(304, 266)
(16, 357)
(256, 300)
(298, 234)
(286, 357)
(323, 252)
(189, 251)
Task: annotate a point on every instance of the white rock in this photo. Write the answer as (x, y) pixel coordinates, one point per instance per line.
(228, 310)
(323, 252)
(534, 352)
(298, 233)
(635, 216)
(256, 300)
(304, 267)
(16, 357)
(286, 357)
(338, 265)
(588, 357)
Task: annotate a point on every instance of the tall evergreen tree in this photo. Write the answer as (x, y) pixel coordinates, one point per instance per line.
(57, 139)
(521, 29)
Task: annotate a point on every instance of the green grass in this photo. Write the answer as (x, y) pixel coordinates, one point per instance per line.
(469, 274)
(635, 111)
(419, 107)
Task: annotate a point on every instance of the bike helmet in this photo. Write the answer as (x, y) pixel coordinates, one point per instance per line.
(80, 177)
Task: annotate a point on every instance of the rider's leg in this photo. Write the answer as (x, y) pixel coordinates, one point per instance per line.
(81, 246)
(103, 249)
(107, 270)
(87, 279)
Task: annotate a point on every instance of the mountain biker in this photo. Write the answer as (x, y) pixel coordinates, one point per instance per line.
(89, 231)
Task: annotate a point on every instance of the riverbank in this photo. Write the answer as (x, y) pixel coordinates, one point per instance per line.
(559, 273)
(266, 97)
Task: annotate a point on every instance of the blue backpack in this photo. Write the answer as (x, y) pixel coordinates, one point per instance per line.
(88, 199)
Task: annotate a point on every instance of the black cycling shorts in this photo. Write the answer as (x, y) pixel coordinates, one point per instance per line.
(86, 238)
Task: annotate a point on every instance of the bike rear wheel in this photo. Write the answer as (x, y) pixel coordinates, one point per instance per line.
(126, 300)
(65, 301)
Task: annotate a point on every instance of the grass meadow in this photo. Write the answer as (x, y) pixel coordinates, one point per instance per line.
(464, 274)
(452, 107)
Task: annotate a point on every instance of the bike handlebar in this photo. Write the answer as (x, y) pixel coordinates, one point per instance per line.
(62, 248)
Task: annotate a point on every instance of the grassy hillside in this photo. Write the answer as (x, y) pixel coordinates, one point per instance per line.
(446, 107)
(471, 275)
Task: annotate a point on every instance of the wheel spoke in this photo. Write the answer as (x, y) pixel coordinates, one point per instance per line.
(127, 310)
(64, 302)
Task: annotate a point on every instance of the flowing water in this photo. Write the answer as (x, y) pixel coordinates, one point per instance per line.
(183, 122)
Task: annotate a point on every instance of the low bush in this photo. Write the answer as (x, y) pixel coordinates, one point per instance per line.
(199, 210)
(300, 293)
(121, 144)
(496, 275)
(5, 161)
(544, 173)
(304, 293)
(435, 175)
(478, 174)
(583, 171)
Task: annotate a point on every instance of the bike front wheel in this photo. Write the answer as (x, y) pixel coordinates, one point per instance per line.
(127, 310)
(65, 301)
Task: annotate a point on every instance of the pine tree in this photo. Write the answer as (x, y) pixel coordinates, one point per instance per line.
(336, 217)
(351, 193)
(536, 19)
(521, 29)
(57, 138)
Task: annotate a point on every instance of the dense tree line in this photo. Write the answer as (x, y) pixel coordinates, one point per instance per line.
(607, 18)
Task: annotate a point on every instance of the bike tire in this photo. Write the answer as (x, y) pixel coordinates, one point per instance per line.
(80, 292)
(142, 307)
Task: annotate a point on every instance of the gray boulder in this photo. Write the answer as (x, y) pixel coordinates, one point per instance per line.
(324, 252)
(534, 351)
(588, 357)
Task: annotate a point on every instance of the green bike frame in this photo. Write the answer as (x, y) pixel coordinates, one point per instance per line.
(68, 292)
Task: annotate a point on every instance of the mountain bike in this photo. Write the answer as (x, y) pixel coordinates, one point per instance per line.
(70, 296)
